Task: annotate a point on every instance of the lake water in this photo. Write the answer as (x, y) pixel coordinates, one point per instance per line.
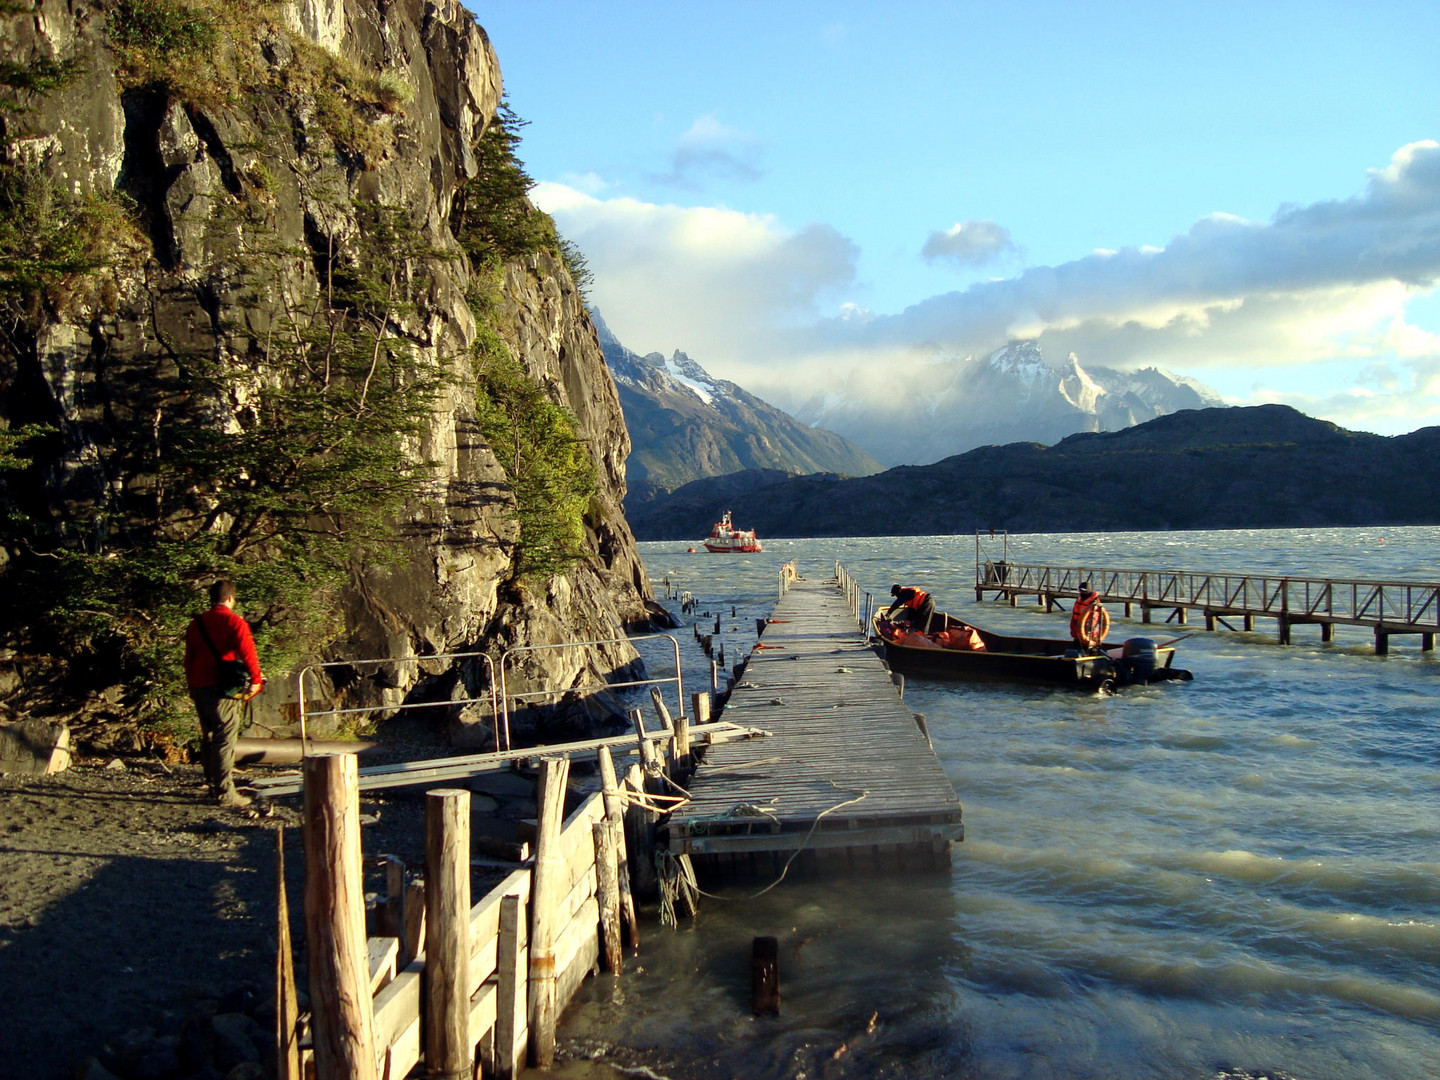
(1231, 878)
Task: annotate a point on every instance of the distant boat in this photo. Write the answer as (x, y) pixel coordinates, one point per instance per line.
(726, 538)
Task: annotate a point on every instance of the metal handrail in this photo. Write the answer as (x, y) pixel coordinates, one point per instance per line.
(309, 668)
(505, 695)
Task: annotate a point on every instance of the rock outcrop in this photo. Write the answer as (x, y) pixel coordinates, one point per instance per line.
(331, 105)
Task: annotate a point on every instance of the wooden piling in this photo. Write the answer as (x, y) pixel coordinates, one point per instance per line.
(607, 894)
(510, 987)
(287, 1008)
(341, 1013)
(662, 711)
(548, 889)
(765, 976)
(449, 1049)
(615, 814)
(640, 836)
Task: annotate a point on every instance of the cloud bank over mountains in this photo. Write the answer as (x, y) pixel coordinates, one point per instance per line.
(1241, 304)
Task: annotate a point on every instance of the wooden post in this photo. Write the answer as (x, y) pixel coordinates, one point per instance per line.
(1327, 631)
(389, 915)
(607, 893)
(545, 894)
(449, 1049)
(765, 976)
(680, 748)
(412, 941)
(700, 706)
(899, 681)
(342, 1016)
(660, 709)
(510, 997)
(714, 677)
(615, 814)
(640, 836)
(1382, 642)
(287, 1009)
(1427, 642)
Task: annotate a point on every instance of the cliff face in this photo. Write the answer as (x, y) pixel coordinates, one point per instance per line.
(248, 185)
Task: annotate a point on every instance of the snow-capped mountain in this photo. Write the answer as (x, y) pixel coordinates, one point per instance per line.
(686, 424)
(1012, 395)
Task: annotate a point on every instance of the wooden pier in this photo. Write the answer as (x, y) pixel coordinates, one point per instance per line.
(846, 767)
(1386, 608)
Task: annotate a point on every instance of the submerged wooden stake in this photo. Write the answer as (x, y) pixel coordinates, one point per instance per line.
(765, 976)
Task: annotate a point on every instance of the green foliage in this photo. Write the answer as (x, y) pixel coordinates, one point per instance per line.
(49, 240)
(549, 467)
(493, 214)
(577, 265)
(162, 29)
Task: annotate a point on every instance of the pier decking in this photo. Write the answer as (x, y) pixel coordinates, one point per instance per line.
(846, 765)
(1384, 607)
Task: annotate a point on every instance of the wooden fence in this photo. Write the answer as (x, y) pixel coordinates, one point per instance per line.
(464, 987)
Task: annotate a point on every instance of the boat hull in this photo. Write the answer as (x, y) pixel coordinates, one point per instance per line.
(1017, 659)
(733, 549)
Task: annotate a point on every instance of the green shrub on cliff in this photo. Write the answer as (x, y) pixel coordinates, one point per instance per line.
(549, 467)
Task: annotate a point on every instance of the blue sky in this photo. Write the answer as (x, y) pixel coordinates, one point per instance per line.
(1247, 194)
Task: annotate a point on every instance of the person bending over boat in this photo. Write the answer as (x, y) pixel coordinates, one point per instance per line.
(1089, 621)
(913, 606)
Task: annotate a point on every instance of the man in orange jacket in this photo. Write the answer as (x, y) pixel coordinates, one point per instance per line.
(915, 606)
(214, 641)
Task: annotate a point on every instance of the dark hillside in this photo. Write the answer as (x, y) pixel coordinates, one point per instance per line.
(1262, 467)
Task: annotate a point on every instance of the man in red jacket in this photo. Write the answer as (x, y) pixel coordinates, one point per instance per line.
(218, 635)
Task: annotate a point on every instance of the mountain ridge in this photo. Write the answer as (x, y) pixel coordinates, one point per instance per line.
(685, 424)
(1013, 394)
(1262, 466)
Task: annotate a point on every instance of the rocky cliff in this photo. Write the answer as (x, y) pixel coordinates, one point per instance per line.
(236, 233)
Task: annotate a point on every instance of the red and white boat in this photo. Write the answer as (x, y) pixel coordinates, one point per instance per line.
(724, 537)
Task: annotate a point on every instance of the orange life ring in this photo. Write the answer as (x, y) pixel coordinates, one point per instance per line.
(1094, 625)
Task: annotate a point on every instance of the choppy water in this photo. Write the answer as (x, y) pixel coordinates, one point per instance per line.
(1235, 877)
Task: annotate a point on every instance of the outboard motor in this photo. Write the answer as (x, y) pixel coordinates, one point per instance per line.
(1139, 658)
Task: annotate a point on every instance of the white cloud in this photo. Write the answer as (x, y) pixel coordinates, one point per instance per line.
(1325, 284)
(714, 282)
(711, 150)
(969, 243)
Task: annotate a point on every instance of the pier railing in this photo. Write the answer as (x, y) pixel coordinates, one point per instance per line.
(1388, 607)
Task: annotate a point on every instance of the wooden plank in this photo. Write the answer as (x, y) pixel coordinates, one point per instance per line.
(438, 770)
(817, 689)
(383, 952)
(397, 1007)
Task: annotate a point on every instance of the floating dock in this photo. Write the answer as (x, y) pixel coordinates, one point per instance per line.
(846, 770)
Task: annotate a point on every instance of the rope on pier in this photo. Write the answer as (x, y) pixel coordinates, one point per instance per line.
(751, 810)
